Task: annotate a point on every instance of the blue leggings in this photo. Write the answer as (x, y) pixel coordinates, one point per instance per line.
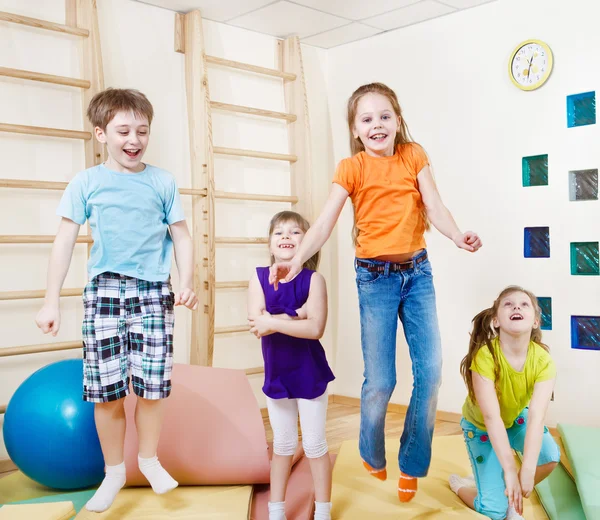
(491, 500)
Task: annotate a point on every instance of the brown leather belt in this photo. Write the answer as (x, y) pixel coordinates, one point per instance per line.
(394, 267)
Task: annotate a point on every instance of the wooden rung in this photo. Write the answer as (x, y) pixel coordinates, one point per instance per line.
(255, 370)
(228, 330)
(255, 196)
(44, 347)
(54, 185)
(30, 295)
(47, 132)
(253, 153)
(231, 285)
(46, 78)
(253, 111)
(237, 240)
(192, 191)
(42, 24)
(33, 185)
(38, 239)
(250, 68)
(3, 408)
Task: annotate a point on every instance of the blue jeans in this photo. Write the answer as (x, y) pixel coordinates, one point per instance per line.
(489, 476)
(383, 297)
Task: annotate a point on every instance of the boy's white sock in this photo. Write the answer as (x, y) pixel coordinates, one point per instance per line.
(158, 477)
(456, 482)
(113, 481)
(322, 511)
(277, 511)
(511, 514)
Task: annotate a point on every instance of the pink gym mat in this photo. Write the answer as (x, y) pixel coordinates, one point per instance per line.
(212, 433)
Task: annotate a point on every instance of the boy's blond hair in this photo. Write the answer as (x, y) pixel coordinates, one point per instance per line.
(105, 105)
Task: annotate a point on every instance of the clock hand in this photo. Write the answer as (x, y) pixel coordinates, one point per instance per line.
(529, 68)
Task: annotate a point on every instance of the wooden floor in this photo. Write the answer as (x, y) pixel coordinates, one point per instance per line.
(343, 422)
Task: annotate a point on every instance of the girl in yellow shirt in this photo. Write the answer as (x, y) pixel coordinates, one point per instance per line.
(510, 377)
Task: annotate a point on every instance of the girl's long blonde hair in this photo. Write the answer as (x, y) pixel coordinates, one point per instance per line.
(291, 216)
(402, 135)
(484, 332)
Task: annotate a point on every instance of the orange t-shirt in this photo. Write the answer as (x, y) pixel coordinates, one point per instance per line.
(387, 201)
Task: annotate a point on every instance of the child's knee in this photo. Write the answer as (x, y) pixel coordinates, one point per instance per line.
(116, 407)
(314, 447)
(285, 445)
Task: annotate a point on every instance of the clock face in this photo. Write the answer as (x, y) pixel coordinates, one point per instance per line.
(530, 65)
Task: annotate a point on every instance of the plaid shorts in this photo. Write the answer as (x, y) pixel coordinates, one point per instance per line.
(127, 330)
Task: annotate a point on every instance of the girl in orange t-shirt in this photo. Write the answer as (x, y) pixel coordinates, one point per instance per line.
(394, 196)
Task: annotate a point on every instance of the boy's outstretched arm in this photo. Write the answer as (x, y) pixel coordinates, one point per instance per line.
(184, 257)
(48, 318)
(440, 216)
(542, 393)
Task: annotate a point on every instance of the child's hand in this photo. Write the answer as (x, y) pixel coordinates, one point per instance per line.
(526, 477)
(513, 490)
(188, 298)
(261, 325)
(283, 271)
(48, 319)
(468, 241)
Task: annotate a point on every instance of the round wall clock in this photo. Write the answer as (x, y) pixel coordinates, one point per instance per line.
(530, 64)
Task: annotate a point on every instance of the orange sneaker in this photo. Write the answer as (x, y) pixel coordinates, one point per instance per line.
(380, 474)
(407, 487)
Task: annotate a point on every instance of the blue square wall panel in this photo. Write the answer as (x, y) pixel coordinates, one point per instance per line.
(585, 332)
(537, 242)
(581, 109)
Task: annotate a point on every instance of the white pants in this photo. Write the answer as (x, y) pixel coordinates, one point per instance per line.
(283, 416)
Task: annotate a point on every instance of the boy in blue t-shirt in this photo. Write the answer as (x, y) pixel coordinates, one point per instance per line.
(136, 219)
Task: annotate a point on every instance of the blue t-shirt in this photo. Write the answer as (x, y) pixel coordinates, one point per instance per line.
(129, 215)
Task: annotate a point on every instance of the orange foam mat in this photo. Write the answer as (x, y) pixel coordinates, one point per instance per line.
(359, 496)
(213, 431)
(183, 503)
(300, 496)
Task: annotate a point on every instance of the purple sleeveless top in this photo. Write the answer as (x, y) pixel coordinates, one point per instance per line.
(295, 368)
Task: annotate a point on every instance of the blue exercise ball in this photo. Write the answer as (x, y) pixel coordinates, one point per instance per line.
(49, 431)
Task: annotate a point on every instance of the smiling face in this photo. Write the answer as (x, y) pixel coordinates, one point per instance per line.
(126, 138)
(376, 124)
(285, 240)
(516, 314)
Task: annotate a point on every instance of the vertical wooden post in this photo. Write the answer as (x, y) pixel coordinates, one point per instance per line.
(201, 150)
(299, 131)
(71, 13)
(86, 17)
(91, 67)
(179, 33)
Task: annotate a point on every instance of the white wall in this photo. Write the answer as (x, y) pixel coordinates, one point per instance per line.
(450, 75)
(137, 52)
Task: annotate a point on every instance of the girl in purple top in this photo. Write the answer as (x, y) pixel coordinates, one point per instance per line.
(290, 322)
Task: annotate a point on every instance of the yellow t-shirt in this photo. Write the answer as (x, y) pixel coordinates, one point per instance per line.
(516, 388)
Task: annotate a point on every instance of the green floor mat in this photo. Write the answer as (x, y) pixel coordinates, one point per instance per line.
(558, 494)
(581, 444)
(79, 499)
